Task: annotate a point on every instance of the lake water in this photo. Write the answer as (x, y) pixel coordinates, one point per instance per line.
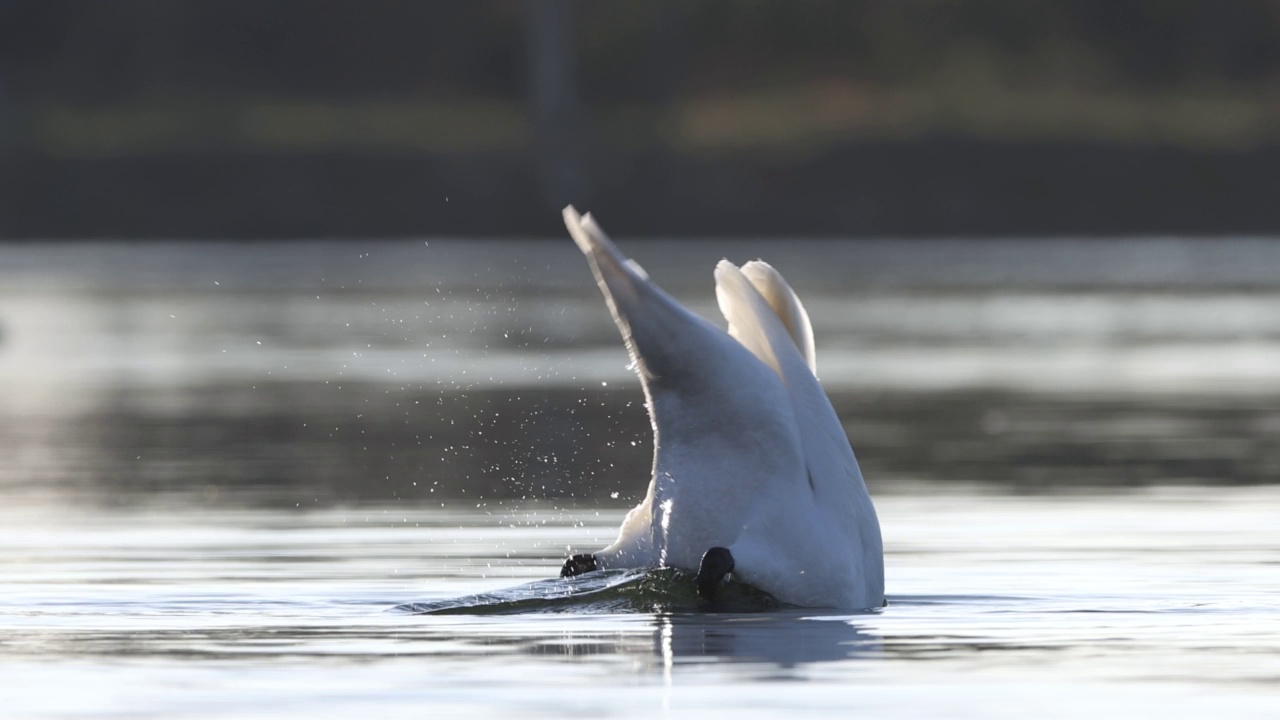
(223, 466)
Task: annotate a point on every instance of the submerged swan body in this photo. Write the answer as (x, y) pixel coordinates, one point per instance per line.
(752, 471)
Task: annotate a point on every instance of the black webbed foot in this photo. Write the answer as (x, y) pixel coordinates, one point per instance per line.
(717, 563)
(577, 565)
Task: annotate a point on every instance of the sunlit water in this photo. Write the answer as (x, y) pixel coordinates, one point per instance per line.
(224, 467)
(999, 607)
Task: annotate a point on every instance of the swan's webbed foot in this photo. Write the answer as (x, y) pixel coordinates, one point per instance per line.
(578, 564)
(717, 563)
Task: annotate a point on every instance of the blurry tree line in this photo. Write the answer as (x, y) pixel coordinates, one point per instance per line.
(78, 52)
(255, 118)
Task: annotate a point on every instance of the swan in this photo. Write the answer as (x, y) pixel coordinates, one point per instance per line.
(752, 472)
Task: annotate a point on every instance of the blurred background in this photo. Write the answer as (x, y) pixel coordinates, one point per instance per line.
(309, 251)
(329, 118)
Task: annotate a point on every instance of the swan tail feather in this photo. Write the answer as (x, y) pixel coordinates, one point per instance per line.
(755, 323)
(746, 310)
(659, 333)
(786, 305)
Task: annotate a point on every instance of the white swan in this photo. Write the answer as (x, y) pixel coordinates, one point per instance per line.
(752, 471)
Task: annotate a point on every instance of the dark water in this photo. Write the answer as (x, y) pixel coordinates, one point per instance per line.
(665, 591)
(324, 372)
(222, 466)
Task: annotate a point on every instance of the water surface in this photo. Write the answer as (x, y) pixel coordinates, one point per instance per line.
(1156, 601)
(223, 466)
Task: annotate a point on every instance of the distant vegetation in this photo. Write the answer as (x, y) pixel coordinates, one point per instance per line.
(82, 80)
(142, 75)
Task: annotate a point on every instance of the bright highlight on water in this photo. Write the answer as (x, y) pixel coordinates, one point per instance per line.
(1071, 447)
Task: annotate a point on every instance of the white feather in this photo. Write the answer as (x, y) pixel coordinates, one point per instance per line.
(786, 305)
(749, 453)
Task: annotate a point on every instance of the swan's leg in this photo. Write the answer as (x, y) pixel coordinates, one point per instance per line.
(717, 563)
(578, 564)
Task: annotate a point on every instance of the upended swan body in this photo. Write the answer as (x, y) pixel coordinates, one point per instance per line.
(752, 471)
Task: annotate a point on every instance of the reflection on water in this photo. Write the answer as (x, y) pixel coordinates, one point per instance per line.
(221, 467)
(320, 372)
(321, 443)
(786, 640)
(1152, 600)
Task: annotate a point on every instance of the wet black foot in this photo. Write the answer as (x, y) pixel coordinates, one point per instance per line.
(717, 563)
(577, 565)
